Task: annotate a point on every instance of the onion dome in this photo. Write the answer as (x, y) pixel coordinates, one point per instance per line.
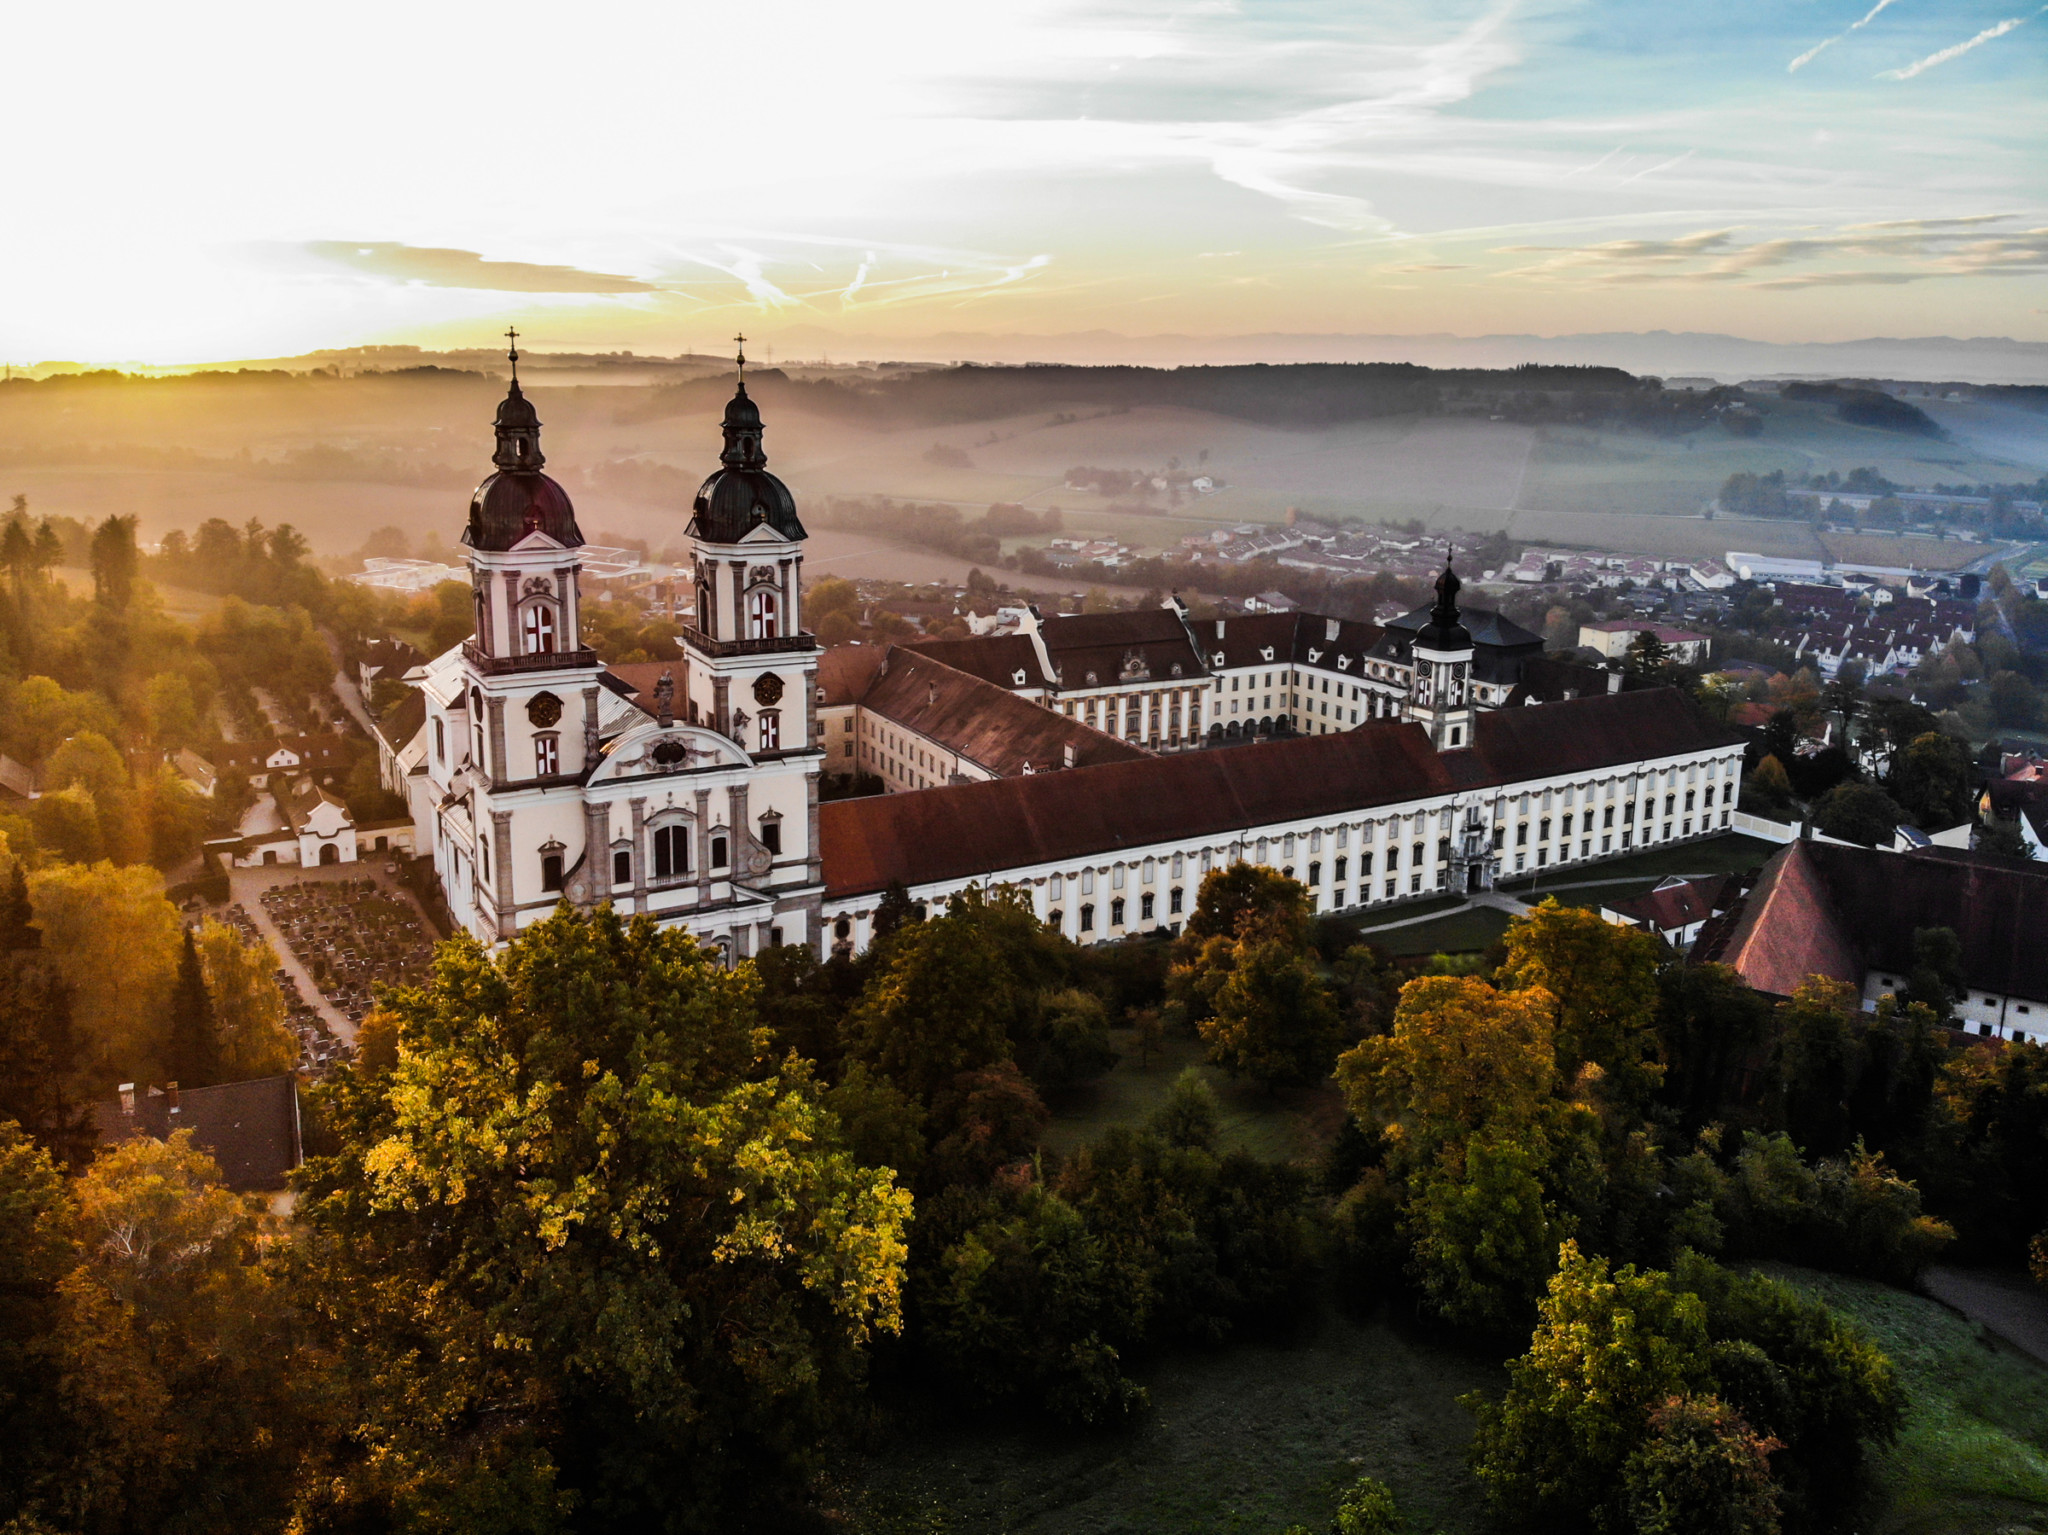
(1446, 628)
(742, 494)
(519, 499)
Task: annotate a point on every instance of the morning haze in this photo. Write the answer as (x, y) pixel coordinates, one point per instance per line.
(1056, 767)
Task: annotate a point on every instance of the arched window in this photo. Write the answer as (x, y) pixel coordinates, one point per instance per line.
(771, 730)
(540, 629)
(761, 609)
(671, 852)
(1088, 917)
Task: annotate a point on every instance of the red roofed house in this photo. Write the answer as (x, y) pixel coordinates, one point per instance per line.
(1850, 914)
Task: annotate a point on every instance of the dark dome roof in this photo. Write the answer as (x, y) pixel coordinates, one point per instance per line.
(743, 494)
(515, 502)
(1446, 629)
(734, 500)
(516, 410)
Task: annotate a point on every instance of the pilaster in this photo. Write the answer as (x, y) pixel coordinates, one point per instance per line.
(639, 809)
(501, 871)
(495, 708)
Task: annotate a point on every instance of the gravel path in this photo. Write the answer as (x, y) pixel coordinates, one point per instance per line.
(2003, 1301)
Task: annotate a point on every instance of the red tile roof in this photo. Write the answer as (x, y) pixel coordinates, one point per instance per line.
(1838, 911)
(976, 829)
(1789, 929)
(986, 724)
(1674, 904)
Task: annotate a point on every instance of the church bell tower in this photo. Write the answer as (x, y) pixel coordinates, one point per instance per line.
(1440, 698)
(530, 683)
(752, 670)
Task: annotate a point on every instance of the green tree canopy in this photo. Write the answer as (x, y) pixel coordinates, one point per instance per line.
(585, 1243)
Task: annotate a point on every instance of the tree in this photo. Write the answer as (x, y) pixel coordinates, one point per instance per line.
(38, 1249)
(178, 1357)
(1647, 657)
(247, 1004)
(1932, 780)
(586, 1241)
(1604, 981)
(1485, 1232)
(114, 940)
(1190, 1116)
(1230, 894)
(1708, 1021)
(1267, 1013)
(1769, 786)
(958, 992)
(1559, 1450)
(43, 1085)
(1024, 1305)
(1459, 1058)
(1368, 1508)
(1816, 1065)
(1859, 812)
(114, 562)
(1704, 1471)
(2004, 839)
(192, 1053)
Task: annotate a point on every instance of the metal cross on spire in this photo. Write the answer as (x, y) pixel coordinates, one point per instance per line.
(512, 337)
(741, 343)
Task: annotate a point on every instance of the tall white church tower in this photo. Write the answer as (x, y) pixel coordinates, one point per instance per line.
(1440, 700)
(694, 803)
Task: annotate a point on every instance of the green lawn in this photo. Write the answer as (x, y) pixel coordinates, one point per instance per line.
(1459, 932)
(1972, 1458)
(1287, 1126)
(1248, 1438)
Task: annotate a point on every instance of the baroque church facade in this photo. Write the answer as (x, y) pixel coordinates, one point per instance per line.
(1390, 763)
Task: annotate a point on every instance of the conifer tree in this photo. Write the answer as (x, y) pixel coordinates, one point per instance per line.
(193, 1048)
(18, 930)
(42, 1080)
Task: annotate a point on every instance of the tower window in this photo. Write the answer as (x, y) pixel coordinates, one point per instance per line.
(718, 854)
(540, 629)
(771, 730)
(440, 740)
(671, 852)
(761, 615)
(622, 867)
(771, 836)
(551, 871)
(547, 756)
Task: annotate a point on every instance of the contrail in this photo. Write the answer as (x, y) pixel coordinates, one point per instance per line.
(1921, 66)
(1821, 47)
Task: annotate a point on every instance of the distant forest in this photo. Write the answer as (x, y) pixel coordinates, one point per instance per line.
(1290, 394)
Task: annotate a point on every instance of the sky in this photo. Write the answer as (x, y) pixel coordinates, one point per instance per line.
(228, 179)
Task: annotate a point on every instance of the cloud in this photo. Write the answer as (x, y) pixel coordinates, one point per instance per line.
(1917, 248)
(1430, 266)
(1921, 66)
(433, 267)
(1826, 43)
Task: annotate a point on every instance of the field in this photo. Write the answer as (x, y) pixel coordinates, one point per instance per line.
(1973, 1456)
(1251, 1437)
